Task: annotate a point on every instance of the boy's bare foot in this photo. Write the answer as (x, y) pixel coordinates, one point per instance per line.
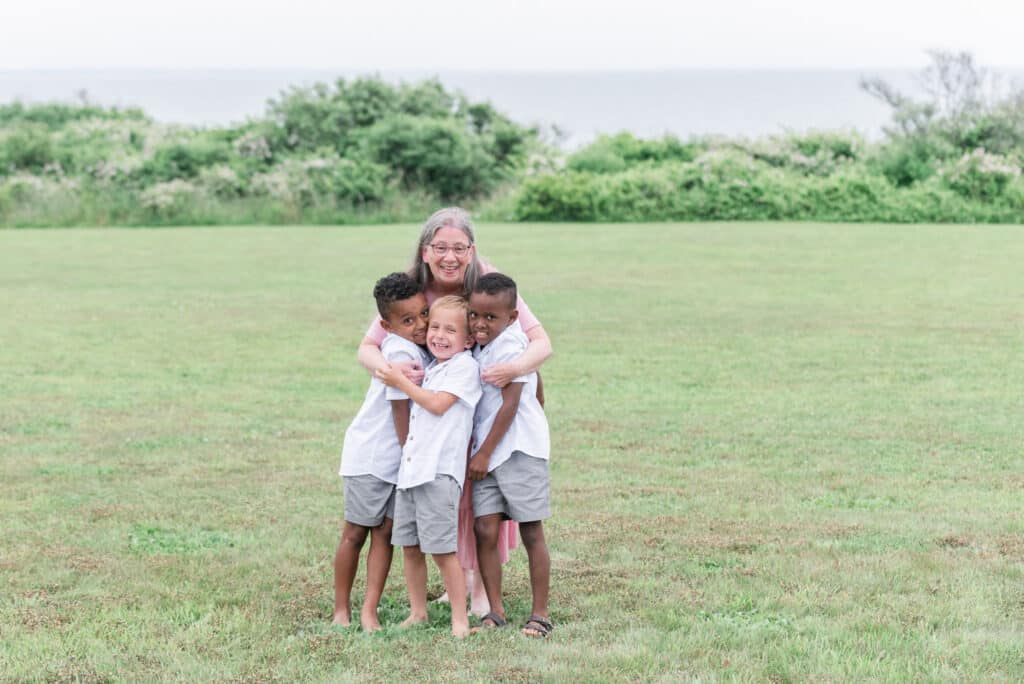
(369, 622)
(460, 631)
(342, 620)
(414, 620)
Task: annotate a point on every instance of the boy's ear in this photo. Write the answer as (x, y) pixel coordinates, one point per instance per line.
(513, 316)
(469, 341)
(385, 324)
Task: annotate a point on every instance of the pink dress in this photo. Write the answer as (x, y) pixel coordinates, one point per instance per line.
(508, 537)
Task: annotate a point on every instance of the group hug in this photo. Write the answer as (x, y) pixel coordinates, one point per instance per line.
(449, 453)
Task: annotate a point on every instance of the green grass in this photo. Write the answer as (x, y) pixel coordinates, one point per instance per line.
(781, 452)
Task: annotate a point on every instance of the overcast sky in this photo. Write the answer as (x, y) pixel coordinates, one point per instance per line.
(527, 35)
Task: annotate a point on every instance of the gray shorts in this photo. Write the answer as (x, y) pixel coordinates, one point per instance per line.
(368, 500)
(428, 515)
(520, 489)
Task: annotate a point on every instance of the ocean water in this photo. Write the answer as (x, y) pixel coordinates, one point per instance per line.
(650, 103)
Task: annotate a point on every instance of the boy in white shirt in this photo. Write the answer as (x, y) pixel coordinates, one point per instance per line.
(434, 459)
(510, 452)
(373, 450)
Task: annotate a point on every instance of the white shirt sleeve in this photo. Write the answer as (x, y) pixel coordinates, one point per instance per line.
(395, 352)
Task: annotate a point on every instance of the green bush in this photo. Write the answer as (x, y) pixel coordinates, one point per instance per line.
(102, 148)
(369, 150)
(815, 153)
(612, 154)
(185, 159)
(905, 162)
(438, 154)
(727, 185)
(55, 115)
(982, 176)
(25, 146)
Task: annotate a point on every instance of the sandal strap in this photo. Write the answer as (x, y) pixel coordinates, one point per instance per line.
(495, 618)
(544, 624)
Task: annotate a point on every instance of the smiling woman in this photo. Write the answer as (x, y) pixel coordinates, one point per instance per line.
(446, 263)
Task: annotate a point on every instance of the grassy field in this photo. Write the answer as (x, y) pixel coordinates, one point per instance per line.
(781, 452)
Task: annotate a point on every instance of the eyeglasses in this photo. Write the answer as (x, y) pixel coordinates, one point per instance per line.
(440, 249)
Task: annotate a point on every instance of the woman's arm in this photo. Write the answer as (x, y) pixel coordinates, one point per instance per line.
(532, 358)
(371, 358)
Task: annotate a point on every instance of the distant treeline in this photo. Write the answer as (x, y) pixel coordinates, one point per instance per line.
(363, 150)
(366, 150)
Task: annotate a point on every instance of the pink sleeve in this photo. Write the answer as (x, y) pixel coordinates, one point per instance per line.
(377, 333)
(526, 318)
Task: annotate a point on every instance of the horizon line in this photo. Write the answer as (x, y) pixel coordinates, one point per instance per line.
(495, 70)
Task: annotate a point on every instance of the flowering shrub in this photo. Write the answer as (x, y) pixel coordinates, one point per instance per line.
(221, 181)
(351, 150)
(815, 153)
(327, 179)
(253, 145)
(25, 189)
(981, 175)
(164, 199)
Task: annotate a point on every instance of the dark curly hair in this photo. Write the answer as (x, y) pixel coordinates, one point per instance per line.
(394, 288)
(498, 283)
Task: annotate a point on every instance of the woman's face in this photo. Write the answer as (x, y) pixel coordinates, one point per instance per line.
(448, 270)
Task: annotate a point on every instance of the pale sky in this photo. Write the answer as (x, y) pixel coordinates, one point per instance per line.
(521, 35)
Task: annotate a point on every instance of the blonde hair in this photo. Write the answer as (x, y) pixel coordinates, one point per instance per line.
(452, 302)
(449, 217)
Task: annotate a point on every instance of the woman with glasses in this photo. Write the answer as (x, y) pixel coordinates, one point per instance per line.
(446, 263)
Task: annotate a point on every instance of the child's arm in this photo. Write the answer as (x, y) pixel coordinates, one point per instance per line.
(400, 417)
(371, 358)
(510, 395)
(435, 402)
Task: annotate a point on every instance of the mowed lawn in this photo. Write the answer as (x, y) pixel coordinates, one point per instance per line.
(781, 452)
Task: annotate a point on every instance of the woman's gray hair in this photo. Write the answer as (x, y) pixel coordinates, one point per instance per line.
(449, 217)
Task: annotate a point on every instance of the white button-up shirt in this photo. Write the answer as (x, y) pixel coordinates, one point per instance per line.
(437, 444)
(529, 429)
(371, 443)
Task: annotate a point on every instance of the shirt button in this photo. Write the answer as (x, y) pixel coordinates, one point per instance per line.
(410, 438)
(408, 460)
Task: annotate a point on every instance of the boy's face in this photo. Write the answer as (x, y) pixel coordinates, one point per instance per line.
(408, 318)
(489, 315)
(447, 334)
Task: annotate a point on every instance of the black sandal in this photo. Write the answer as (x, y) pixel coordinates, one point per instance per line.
(496, 622)
(536, 623)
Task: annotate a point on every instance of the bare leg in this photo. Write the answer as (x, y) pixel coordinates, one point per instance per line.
(478, 603)
(346, 562)
(378, 565)
(416, 584)
(486, 528)
(540, 568)
(455, 583)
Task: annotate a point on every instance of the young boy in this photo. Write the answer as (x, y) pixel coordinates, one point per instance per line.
(434, 459)
(373, 450)
(510, 451)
